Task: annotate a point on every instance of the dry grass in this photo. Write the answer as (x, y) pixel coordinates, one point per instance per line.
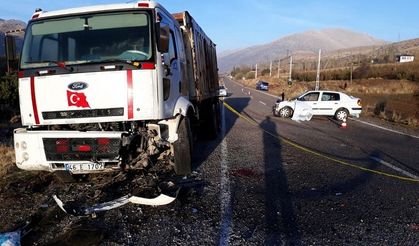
(7, 160)
(9, 172)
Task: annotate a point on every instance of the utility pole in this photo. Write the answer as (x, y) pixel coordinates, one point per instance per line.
(256, 71)
(290, 75)
(318, 72)
(279, 66)
(270, 69)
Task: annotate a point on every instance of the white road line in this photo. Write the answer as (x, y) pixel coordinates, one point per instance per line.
(262, 103)
(394, 167)
(225, 195)
(383, 128)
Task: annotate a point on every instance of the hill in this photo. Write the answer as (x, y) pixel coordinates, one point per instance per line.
(306, 43)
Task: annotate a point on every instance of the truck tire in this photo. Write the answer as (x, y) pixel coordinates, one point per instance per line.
(182, 148)
(212, 120)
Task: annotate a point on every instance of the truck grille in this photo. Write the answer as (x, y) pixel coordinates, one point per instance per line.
(88, 113)
(81, 149)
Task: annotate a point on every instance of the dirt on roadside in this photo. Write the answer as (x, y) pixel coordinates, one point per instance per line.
(26, 200)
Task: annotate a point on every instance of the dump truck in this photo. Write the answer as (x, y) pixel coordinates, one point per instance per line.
(114, 87)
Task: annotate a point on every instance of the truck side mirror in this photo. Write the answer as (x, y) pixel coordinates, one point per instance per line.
(163, 39)
(10, 50)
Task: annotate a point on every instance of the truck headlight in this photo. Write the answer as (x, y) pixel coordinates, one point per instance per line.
(24, 145)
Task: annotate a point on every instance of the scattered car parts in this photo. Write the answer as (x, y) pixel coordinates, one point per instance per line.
(82, 210)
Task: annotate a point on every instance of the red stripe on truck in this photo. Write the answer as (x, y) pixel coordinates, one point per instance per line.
(34, 106)
(130, 95)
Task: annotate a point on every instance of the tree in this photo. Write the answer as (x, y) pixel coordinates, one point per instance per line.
(9, 90)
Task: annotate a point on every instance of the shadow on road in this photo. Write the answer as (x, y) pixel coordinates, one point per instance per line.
(204, 148)
(280, 217)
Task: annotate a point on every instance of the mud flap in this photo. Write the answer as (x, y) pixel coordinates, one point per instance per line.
(100, 207)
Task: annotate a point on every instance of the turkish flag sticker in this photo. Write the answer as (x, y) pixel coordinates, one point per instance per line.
(77, 99)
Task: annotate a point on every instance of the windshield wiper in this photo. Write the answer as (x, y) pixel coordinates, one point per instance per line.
(59, 64)
(128, 62)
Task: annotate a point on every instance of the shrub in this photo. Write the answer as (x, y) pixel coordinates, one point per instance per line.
(9, 90)
(265, 71)
(238, 76)
(380, 108)
(250, 75)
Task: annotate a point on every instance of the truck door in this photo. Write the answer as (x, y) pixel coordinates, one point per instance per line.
(171, 70)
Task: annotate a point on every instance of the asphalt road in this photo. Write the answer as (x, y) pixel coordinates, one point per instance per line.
(264, 181)
(316, 183)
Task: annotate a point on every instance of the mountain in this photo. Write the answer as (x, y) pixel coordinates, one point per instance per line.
(308, 42)
(8, 25)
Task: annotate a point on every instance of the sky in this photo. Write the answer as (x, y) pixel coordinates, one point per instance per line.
(236, 24)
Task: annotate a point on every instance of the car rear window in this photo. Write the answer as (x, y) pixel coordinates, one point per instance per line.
(329, 96)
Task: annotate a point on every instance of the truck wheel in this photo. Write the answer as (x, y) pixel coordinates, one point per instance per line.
(213, 120)
(182, 148)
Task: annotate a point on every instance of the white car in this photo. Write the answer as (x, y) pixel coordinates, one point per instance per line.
(222, 91)
(328, 103)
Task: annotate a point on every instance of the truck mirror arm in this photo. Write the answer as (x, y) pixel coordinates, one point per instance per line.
(167, 70)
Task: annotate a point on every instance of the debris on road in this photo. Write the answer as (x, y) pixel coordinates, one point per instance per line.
(10, 238)
(71, 208)
(302, 111)
(343, 124)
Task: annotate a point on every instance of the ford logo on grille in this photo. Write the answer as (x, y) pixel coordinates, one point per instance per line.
(77, 86)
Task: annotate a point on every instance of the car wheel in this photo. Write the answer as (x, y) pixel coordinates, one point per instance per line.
(285, 112)
(341, 114)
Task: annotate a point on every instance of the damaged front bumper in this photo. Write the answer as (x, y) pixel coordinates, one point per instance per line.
(73, 151)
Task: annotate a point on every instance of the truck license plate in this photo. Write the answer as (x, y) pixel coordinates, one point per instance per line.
(83, 167)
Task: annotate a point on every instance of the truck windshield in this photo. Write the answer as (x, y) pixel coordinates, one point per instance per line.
(88, 39)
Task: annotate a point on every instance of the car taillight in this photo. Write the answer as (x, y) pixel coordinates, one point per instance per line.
(359, 103)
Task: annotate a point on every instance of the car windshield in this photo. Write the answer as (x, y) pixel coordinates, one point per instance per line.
(85, 39)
